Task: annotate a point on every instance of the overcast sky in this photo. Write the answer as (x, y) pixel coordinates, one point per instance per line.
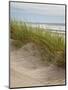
(42, 13)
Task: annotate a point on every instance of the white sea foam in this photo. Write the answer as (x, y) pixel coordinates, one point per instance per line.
(55, 27)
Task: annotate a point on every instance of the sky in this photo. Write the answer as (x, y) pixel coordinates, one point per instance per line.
(37, 13)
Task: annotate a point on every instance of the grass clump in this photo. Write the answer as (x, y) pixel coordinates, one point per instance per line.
(50, 44)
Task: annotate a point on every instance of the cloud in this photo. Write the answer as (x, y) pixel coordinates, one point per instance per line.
(42, 9)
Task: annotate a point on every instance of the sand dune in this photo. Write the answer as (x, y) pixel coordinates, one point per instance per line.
(27, 68)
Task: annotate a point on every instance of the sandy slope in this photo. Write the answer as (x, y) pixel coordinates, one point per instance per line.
(27, 68)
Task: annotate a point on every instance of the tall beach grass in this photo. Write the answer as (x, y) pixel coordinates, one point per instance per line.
(50, 44)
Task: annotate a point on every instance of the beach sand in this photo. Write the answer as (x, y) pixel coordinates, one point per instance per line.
(27, 68)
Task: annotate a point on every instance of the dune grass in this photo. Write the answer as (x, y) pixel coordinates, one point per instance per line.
(50, 44)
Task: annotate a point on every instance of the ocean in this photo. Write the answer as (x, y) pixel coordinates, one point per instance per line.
(50, 26)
